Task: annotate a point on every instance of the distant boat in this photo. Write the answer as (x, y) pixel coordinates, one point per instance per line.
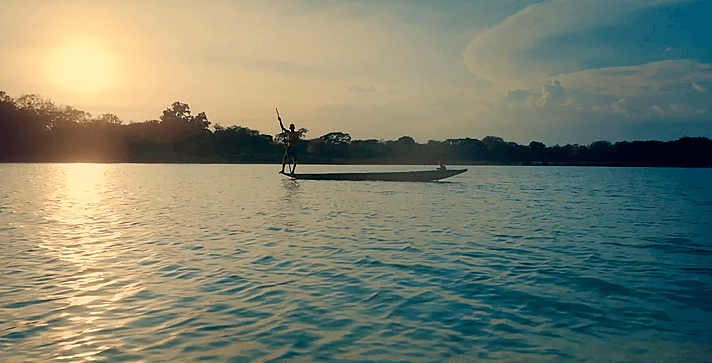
(411, 176)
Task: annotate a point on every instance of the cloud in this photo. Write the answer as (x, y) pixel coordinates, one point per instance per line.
(651, 101)
(362, 88)
(615, 107)
(698, 87)
(611, 104)
(633, 91)
(513, 54)
(681, 109)
(646, 85)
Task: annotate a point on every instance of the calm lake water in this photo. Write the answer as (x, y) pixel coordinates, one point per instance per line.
(235, 263)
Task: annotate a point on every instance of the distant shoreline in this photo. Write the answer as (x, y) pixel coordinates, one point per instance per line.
(37, 131)
(211, 161)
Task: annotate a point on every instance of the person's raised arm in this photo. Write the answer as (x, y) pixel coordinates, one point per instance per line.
(280, 121)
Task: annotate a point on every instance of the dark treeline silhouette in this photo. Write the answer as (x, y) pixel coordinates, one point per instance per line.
(33, 129)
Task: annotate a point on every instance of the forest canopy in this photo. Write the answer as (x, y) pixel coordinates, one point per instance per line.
(34, 129)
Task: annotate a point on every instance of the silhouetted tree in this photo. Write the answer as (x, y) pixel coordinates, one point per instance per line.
(242, 140)
(107, 118)
(336, 138)
(599, 151)
(536, 151)
(497, 149)
(331, 145)
(35, 129)
(281, 138)
(367, 149)
(178, 125)
(10, 126)
(404, 149)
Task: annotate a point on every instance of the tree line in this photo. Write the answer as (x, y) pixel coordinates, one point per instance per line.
(34, 129)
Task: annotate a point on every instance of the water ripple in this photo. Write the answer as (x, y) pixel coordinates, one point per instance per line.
(231, 263)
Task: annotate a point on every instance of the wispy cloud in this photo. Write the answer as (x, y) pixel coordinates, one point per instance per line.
(698, 87)
(631, 91)
(557, 69)
(362, 88)
(510, 54)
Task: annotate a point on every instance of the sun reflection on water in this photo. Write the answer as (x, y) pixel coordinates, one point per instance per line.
(82, 230)
(79, 212)
(81, 191)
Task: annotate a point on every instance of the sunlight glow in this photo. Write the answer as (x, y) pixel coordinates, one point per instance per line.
(82, 67)
(78, 194)
(80, 230)
(83, 184)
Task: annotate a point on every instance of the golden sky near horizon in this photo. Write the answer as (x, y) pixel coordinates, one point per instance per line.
(371, 69)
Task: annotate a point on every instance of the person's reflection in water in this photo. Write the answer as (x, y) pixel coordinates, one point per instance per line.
(290, 205)
(291, 189)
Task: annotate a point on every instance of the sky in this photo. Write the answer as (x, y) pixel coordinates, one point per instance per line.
(558, 72)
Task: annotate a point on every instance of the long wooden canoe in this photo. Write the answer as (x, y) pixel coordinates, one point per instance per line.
(413, 176)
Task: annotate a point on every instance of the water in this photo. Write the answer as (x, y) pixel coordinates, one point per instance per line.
(235, 263)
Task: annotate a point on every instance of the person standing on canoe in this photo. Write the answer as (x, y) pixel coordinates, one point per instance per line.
(292, 141)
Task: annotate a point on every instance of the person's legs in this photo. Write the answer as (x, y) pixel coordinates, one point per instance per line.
(284, 160)
(293, 153)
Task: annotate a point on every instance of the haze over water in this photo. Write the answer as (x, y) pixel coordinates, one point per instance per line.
(235, 263)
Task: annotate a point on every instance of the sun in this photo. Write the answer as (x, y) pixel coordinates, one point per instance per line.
(82, 68)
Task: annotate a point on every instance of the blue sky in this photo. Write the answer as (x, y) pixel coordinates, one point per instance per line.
(563, 71)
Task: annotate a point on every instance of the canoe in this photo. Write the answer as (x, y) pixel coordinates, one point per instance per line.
(412, 176)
